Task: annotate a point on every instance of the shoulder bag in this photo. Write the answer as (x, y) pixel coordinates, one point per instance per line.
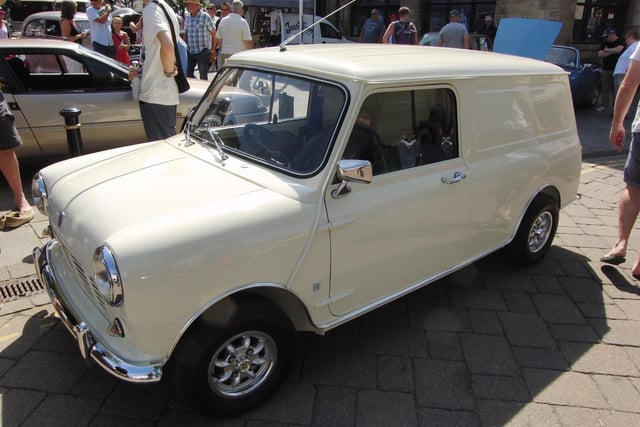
(181, 79)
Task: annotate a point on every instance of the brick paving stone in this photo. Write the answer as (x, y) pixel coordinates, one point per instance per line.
(444, 345)
(598, 359)
(584, 241)
(548, 285)
(584, 290)
(395, 373)
(564, 388)
(519, 302)
(507, 281)
(394, 313)
(434, 294)
(488, 354)
(130, 400)
(394, 341)
(613, 418)
(340, 369)
(110, 421)
(633, 353)
(95, 383)
(621, 289)
(342, 339)
(482, 299)
(334, 406)
(16, 405)
(385, 408)
(5, 365)
(620, 332)
(485, 322)
(63, 410)
(428, 417)
(580, 333)
(631, 308)
(442, 384)
(20, 333)
(619, 392)
(441, 318)
(531, 357)
(601, 311)
(574, 416)
(501, 413)
(58, 340)
(291, 404)
(499, 388)
(526, 330)
(45, 371)
(575, 269)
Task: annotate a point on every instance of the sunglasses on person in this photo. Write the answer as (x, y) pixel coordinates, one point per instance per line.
(211, 8)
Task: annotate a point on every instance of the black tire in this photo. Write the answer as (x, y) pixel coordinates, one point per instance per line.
(536, 232)
(234, 356)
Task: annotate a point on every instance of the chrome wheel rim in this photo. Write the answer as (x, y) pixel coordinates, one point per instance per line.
(540, 231)
(242, 364)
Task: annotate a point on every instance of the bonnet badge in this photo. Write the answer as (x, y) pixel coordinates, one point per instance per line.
(61, 216)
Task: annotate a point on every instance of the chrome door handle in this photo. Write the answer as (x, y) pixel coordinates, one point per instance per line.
(457, 177)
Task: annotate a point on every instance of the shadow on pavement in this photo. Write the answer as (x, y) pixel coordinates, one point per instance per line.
(487, 345)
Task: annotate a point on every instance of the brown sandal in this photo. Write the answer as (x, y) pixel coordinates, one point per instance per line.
(17, 218)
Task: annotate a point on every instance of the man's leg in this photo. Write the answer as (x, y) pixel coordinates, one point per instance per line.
(192, 60)
(607, 90)
(203, 64)
(11, 171)
(159, 120)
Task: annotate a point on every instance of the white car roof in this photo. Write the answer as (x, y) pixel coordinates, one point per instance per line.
(391, 63)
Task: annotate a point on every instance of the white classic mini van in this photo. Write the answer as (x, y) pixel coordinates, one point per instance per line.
(311, 185)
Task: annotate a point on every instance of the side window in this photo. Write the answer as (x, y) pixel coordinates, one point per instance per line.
(35, 28)
(54, 72)
(406, 129)
(328, 32)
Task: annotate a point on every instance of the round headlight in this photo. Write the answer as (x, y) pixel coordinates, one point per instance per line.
(39, 193)
(106, 276)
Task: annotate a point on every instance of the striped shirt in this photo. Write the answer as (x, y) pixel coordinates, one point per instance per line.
(198, 29)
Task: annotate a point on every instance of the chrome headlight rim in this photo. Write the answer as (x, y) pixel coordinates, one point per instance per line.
(39, 193)
(107, 277)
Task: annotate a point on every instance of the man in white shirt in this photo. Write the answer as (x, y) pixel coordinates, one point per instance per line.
(100, 27)
(233, 33)
(631, 39)
(158, 89)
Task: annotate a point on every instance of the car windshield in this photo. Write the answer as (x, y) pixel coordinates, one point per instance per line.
(284, 122)
(561, 56)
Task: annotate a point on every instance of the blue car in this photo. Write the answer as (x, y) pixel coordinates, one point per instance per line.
(583, 78)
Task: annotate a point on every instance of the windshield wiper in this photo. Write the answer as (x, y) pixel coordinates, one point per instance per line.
(218, 143)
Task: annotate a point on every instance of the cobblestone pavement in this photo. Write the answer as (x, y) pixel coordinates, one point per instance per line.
(555, 344)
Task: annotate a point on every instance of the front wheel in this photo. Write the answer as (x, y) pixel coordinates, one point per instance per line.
(232, 359)
(536, 232)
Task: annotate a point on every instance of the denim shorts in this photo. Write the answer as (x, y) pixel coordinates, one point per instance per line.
(632, 166)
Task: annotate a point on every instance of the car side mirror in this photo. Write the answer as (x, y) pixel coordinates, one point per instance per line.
(351, 171)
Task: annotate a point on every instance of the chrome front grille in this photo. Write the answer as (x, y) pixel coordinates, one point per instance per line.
(89, 289)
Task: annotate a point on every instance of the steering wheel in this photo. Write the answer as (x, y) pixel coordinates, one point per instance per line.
(267, 145)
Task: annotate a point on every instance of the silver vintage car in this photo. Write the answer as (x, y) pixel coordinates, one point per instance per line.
(311, 185)
(40, 77)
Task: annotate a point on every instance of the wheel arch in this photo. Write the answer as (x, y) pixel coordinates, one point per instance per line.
(289, 305)
(548, 192)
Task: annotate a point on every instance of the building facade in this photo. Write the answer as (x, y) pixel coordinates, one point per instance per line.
(582, 20)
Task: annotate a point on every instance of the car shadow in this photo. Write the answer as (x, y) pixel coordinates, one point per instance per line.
(486, 345)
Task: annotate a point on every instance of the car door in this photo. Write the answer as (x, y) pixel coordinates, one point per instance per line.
(411, 222)
(55, 79)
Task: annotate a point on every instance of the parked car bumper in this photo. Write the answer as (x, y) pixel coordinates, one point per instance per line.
(87, 342)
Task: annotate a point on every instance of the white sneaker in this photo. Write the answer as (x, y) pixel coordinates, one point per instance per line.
(600, 109)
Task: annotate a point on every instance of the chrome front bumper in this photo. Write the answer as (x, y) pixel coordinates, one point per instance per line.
(86, 341)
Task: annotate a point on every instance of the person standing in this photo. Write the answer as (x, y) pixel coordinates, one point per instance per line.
(199, 34)
(120, 41)
(488, 29)
(610, 50)
(100, 27)
(9, 141)
(233, 33)
(4, 31)
(211, 10)
(630, 198)
(372, 29)
(622, 65)
(225, 10)
(158, 89)
(454, 34)
(68, 28)
(402, 31)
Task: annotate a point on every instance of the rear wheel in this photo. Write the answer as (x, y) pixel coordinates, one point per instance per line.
(233, 357)
(536, 232)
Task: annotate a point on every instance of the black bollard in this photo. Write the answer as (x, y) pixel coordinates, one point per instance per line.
(72, 125)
